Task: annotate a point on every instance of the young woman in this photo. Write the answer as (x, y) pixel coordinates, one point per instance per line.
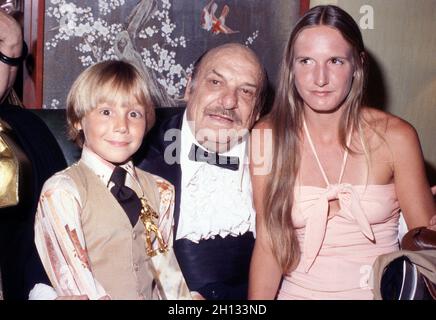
(340, 171)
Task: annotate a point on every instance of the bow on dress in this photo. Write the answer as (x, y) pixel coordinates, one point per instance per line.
(316, 225)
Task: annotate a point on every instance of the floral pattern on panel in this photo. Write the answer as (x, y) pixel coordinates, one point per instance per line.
(97, 34)
(92, 28)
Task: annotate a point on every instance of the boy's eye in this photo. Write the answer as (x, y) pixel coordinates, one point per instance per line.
(135, 114)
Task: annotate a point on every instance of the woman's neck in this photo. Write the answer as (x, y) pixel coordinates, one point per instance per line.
(324, 127)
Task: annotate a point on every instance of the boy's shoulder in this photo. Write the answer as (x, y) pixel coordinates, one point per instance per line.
(74, 176)
(62, 181)
(65, 173)
(145, 174)
(71, 171)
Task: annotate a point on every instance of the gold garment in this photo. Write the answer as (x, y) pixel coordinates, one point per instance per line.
(14, 168)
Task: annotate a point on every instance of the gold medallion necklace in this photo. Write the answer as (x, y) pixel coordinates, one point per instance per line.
(148, 217)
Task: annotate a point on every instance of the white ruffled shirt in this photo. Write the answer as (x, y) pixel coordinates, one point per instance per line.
(214, 201)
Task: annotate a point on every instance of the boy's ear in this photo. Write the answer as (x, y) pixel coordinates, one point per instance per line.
(188, 90)
(78, 126)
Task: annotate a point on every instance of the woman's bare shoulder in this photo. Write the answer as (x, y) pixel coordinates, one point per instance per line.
(387, 123)
(395, 131)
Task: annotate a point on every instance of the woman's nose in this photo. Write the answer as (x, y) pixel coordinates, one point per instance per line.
(321, 76)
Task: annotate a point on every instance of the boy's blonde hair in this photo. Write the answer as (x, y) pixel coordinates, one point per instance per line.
(115, 82)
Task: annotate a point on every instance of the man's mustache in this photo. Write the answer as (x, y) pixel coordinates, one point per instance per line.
(221, 111)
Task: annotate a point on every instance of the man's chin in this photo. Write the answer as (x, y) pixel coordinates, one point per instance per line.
(221, 146)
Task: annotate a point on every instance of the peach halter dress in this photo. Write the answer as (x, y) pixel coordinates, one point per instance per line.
(337, 252)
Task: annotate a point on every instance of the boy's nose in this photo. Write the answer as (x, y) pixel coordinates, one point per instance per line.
(121, 124)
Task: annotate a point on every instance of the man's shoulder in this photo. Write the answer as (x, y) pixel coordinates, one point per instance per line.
(166, 119)
(166, 113)
(155, 143)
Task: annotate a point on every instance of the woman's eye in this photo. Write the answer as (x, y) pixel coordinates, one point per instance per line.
(105, 112)
(337, 61)
(305, 61)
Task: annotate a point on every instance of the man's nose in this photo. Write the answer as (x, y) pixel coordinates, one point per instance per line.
(229, 99)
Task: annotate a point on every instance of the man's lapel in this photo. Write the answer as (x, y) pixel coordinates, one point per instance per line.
(151, 157)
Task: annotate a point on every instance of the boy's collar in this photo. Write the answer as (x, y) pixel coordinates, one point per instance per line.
(103, 168)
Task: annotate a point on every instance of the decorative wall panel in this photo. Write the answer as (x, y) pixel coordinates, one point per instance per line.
(164, 36)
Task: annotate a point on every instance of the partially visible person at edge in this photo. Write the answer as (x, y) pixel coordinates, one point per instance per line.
(103, 227)
(340, 171)
(205, 157)
(29, 154)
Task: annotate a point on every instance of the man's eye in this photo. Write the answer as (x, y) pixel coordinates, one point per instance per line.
(305, 61)
(248, 92)
(214, 82)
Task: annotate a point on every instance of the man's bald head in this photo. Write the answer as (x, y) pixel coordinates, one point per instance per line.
(225, 95)
(234, 49)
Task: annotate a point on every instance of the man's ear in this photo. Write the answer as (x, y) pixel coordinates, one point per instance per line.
(188, 90)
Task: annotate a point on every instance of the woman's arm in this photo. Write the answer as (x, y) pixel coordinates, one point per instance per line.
(413, 190)
(60, 241)
(265, 272)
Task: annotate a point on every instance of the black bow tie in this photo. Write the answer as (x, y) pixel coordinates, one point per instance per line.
(126, 197)
(200, 155)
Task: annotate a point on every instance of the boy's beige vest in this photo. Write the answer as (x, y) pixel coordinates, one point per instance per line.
(116, 251)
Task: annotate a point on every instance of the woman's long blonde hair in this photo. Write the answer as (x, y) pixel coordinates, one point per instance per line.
(286, 119)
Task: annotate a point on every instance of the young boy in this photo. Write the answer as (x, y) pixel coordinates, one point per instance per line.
(103, 228)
